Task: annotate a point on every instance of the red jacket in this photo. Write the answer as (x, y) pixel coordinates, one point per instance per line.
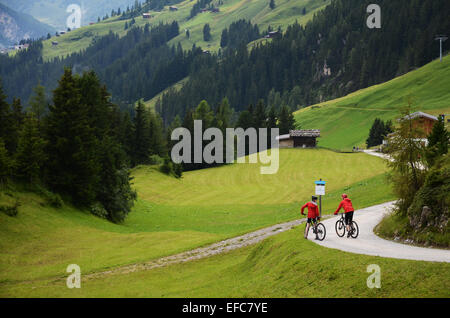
(313, 210)
(346, 204)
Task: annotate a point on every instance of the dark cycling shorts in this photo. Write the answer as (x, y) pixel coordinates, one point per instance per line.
(348, 217)
(312, 220)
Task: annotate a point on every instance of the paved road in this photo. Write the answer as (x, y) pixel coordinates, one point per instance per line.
(370, 244)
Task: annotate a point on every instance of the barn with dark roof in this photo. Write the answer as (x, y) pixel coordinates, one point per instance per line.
(299, 139)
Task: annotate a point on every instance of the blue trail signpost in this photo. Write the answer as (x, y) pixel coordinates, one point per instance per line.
(320, 190)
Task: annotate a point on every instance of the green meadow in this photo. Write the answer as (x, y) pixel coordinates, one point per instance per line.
(345, 122)
(257, 11)
(285, 265)
(175, 215)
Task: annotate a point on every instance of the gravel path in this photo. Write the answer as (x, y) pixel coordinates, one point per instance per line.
(367, 243)
(202, 252)
(370, 244)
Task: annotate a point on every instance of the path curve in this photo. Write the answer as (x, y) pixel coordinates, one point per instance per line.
(370, 244)
(202, 252)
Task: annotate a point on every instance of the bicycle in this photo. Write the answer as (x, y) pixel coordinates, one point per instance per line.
(341, 228)
(319, 229)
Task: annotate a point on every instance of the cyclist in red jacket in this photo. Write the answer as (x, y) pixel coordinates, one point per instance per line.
(346, 203)
(313, 214)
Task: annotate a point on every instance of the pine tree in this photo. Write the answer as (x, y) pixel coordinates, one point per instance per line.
(157, 142)
(38, 103)
(207, 32)
(259, 115)
(141, 138)
(16, 120)
(438, 142)
(224, 38)
(72, 167)
(6, 163)
(286, 121)
(272, 4)
(204, 113)
(5, 116)
(176, 123)
(114, 191)
(223, 115)
(30, 155)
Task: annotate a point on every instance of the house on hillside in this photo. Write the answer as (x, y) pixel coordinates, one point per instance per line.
(146, 15)
(299, 139)
(54, 43)
(173, 8)
(422, 121)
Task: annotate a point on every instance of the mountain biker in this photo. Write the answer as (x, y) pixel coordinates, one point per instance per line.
(313, 214)
(346, 203)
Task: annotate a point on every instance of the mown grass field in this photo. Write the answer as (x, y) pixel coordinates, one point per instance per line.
(257, 11)
(345, 122)
(285, 265)
(177, 215)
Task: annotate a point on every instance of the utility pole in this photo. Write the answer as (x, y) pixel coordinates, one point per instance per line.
(441, 38)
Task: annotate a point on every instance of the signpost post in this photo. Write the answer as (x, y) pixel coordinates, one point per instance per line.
(320, 190)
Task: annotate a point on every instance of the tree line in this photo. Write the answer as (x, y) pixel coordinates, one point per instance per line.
(332, 55)
(222, 116)
(421, 177)
(79, 145)
(137, 65)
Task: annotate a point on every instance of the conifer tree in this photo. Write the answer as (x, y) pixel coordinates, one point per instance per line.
(286, 121)
(6, 163)
(72, 167)
(141, 138)
(30, 155)
(438, 142)
(38, 103)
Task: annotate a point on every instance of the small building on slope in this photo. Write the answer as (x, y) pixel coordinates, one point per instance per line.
(299, 139)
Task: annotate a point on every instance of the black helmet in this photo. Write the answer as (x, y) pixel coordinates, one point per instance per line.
(314, 198)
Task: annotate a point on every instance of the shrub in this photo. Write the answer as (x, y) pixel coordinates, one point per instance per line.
(98, 210)
(167, 166)
(10, 210)
(51, 199)
(155, 160)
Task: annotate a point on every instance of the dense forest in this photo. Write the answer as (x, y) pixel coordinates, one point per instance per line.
(137, 65)
(333, 55)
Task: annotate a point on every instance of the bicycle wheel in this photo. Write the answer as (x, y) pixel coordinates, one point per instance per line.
(355, 230)
(321, 231)
(340, 228)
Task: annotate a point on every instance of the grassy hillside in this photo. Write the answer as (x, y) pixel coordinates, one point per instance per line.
(345, 122)
(258, 11)
(243, 183)
(285, 265)
(175, 215)
(53, 12)
(152, 102)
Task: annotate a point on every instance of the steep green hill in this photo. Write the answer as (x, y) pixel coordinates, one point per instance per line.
(53, 12)
(285, 13)
(345, 122)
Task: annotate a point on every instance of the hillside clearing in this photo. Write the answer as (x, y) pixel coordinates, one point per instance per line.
(345, 122)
